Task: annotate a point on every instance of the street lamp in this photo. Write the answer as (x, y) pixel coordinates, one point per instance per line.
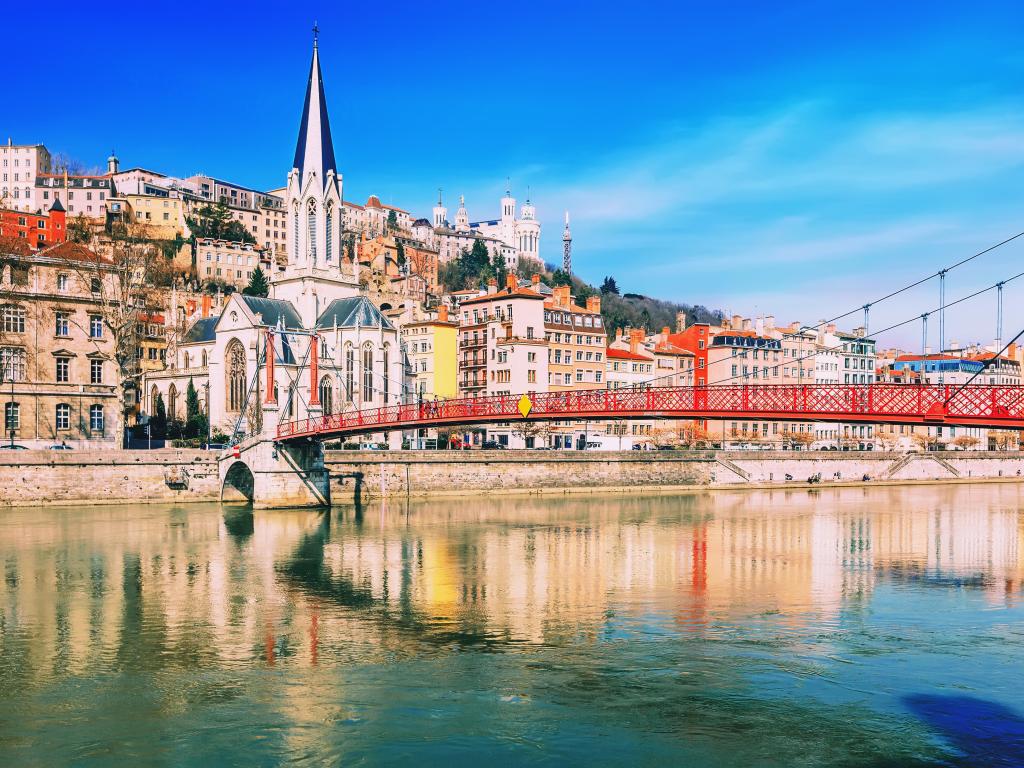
(10, 414)
(206, 387)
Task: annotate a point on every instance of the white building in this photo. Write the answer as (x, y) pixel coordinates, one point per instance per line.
(508, 236)
(19, 166)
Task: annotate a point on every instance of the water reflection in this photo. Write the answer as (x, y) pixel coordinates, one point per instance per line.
(680, 622)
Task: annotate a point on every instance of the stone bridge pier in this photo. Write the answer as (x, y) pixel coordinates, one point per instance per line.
(270, 475)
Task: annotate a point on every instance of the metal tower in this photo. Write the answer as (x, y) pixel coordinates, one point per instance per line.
(567, 247)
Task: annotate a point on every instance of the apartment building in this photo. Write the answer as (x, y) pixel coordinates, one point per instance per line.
(20, 164)
(502, 351)
(60, 383)
(229, 261)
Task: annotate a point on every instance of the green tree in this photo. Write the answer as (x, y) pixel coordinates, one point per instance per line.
(215, 221)
(195, 419)
(158, 421)
(257, 284)
(400, 256)
(392, 222)
(561, 277)
(609, 286)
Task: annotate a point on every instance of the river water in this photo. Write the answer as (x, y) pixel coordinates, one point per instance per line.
(836, 627)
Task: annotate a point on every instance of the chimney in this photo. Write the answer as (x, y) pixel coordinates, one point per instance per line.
(206, 304)
(759, 326)
(622, 333)
(769, 322)
(680, 322)
(561, 295)
(927, 350)
(442, 313)
(492, 286)
(511, 282)
(1011, 351)
(859, 332)
(831, 327)
(737, 322)
(594, 304)
(746, 325)
(954, 346)
(535, 280)
(636, 338)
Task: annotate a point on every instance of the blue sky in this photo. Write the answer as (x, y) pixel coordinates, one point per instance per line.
(793, 160)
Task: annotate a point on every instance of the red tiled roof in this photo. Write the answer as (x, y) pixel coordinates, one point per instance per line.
(671, 349)
(69, 251)
(912, 358)
(14, 246)
(504, 293)
(624, 354)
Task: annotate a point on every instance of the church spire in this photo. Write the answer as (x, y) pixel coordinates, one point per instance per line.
(314, 151)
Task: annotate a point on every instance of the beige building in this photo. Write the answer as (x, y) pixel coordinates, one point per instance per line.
(60, 383)
(229, 261)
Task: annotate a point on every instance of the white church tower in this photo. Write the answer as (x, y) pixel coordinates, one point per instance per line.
(314, 276)
(440, 212)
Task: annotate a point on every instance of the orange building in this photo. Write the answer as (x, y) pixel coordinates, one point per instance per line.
(39, 230)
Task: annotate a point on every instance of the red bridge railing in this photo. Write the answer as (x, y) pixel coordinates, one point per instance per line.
(1000, 406)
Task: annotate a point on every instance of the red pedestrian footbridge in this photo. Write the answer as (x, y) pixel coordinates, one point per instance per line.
(994, 406)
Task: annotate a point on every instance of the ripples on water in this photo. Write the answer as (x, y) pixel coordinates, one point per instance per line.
(838, 627)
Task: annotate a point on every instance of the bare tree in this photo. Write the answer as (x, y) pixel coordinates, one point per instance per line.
(123, 285)
(965, 442)
(526, 429)
(888, 439)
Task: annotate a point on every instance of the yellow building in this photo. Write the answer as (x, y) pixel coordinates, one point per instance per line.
(432, 355)
(165, 216)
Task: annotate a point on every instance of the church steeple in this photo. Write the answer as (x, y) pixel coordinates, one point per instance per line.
(314, 151)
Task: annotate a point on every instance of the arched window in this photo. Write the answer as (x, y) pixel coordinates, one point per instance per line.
(96, 418)
(295, 232)
(235, 376)
(187, 361)
(385, 357)
(327, 395)
(311, 226)
(154, 393)
(205, 359)
(62, 416)
(329, 245)
(350, 372)
(367, 394)
(172, 403)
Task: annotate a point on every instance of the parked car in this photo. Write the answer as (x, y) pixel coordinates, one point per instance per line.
(13, 447)
(59, 447)
(216, 446)
(373, 446)
(492, 445)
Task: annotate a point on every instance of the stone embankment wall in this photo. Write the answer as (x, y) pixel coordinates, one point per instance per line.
(132, 477)
(414, 473)
(107, 477)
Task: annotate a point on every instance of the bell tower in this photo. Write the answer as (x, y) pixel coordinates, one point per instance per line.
(314, 276)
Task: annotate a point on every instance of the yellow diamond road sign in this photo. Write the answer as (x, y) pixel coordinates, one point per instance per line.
(525, 406)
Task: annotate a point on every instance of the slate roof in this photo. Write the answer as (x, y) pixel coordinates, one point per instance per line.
(201, 330)
(273, 310)
(347, 313)
(315, 128)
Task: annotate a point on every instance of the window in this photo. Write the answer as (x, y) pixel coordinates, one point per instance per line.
(96, 418)
(95, 371)
(531, 376)
(367, 373)
(61, 324)
(12, 364)
(95, 327)
(385, 355)
(94, 285)
(62, 283)
(235, 373)
(12, 416)
(13, 319)
(311, 225)
(62, 416)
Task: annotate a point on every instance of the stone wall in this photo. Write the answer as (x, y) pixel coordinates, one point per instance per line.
(108, 477)
(131, 477)
(369, 474)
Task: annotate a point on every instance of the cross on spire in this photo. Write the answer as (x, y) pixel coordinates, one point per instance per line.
(316, 34)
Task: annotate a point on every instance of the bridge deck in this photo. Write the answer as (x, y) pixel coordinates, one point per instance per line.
(995, 406)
